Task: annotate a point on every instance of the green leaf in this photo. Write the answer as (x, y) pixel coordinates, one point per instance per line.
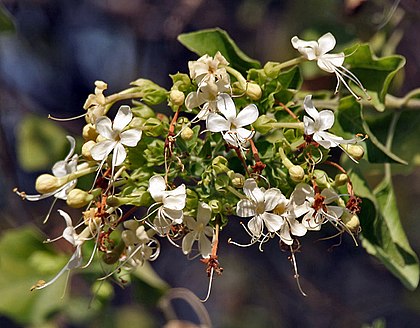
(211, 41)
(6, 21)
(382, 233)
(350, 120)
(18, 273)
(40, 143)
(375, 73)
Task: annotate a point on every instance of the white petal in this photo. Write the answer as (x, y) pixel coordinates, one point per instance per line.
(123, 118)
(272, 221)
(175, 199)
(175, 215)
(309, 125)
(130, 138)
(246, 208)
(157, 186)
(252, 191)
(204, 245)
(306, 48)
(246, 116)
(203, 213)
(190, 222)
(297, 228)
(226, 106)
(104, 127)
(118, 155)
(336, 60)
(231, 138)
(310, 108)
(285, 234)
(194, 100)
(255, 225)
(330, 195)
(302, 192)
(325, 119)
(187, 242)
(272, 197)
(72, 147)
(217, 123)
(326, 43)
(102, 149)
(243, 134)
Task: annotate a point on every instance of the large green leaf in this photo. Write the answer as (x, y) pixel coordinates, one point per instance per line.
(375, 73)
(350, 120)
(213, 40)
(382, 233)
(18, 272)
(40, 143)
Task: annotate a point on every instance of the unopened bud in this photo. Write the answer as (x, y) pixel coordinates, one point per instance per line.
(296, 172)
(351, 221)
(187, 133)
(89, 132)
(253, 91)
(238, 180)
(47, 183)
(100, 138)
(215, 206)
(263, 124)
(355, 151)
(340, 179)
(219, 165)
(321, 179)
(78, 198)
(153, 127)
(137, 123)
(176, 97)
(86, 148)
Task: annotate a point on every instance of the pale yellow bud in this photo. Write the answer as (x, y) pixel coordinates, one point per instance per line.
(77, 198)
(355, 151)
(89, 132)
(100, 138)
(297, 173)
(253, 91)
(101, 85)
(176, 97)
(351, 221)
(238, 180)
(87, 146)
(47, 183)
(187, 133)
(340, 179)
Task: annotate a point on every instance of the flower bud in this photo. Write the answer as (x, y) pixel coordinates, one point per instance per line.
(296, 172)
(253, 91)
(153, 94)
(272, 69)
(215, 206)
(89, 132)
(187, 133)
(355, 151)
(176, 97)
(78, 198)
(321, 179)
(47, 183)
(219, 165)
(340, 179)
(351, 221)
(87, 146)
(153, 127)
(263, 124)
(237, 180)
(100, 138)
(137, 123)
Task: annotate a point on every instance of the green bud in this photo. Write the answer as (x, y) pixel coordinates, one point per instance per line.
(297, 173)
(219, 165)
(263, 124)
(340, 179)
(181, 81)
(142, 110)
(139, 198)
(215, 206)
(321, 179)
(176, 98)
(355, 151)
(153, 127)
(272, 69)
(236, 179)
(351, 221)
(89, 132)
(187, 133)
(78, 198)
(253, 91)
(153, 94)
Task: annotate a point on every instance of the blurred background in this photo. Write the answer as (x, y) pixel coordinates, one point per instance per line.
(49, 60)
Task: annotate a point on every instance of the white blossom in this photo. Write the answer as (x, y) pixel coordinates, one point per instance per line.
(331, 63)
(230, 124)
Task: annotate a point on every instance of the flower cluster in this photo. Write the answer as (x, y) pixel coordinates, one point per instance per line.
(233, 147)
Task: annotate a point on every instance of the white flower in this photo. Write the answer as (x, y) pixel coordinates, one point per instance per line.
(258, 205)
(77, 241)
(139, 246)
(60, 169)
(331, 63)
(115, 137)
(231, 124)
(199, 231)
(318, 123)
(290, 227)
(173, 203)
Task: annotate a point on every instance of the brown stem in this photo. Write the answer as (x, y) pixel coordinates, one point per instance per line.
(259, 165)
(288, 110)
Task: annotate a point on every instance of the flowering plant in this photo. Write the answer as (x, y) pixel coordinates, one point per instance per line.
(237, 139)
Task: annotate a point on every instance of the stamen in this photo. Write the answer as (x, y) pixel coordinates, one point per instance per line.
(210, 285)
(295, 269)
(66, 119)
